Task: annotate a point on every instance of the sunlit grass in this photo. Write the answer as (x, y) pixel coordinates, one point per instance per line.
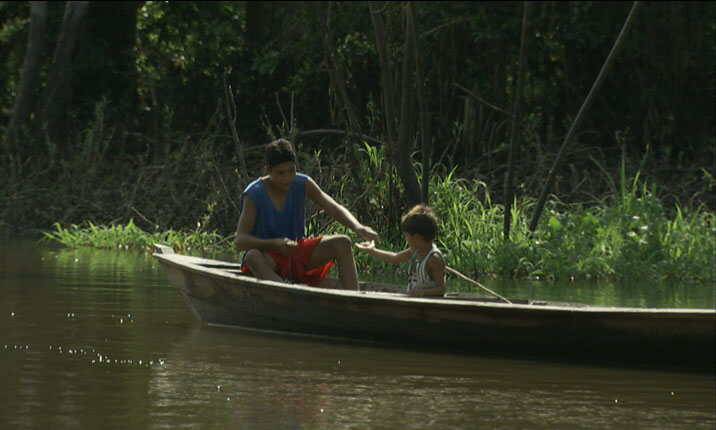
(634, 237)
(630, 235)
(130, 236)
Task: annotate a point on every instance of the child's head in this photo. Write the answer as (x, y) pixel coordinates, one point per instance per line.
(420, 220)
(279, 151)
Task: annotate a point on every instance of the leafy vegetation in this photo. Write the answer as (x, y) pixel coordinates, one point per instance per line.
(129, 236)
(630, 237)
(144, 151)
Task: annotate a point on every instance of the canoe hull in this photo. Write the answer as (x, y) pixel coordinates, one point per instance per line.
(217, 294)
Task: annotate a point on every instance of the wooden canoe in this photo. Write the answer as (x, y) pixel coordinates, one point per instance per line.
(218, 293)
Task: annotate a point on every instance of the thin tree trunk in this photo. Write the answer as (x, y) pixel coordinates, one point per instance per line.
(340, 86)
(580, 115)
(231, 117)
(405, 131)
(516, 129)
(426, 140)
(385, 74)
(56, 95)
(30, 78)
(401, 163)
(333, 70)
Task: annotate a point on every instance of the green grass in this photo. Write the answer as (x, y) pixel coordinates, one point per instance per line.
(130, 236)
(632, 237)
(629, 235)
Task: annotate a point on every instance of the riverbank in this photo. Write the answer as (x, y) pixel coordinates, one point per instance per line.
(634, 227)
(634, 238)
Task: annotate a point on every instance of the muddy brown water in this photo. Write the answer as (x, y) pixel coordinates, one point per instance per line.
(98, 339)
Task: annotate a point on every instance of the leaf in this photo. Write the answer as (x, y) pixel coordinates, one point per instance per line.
(554, 223)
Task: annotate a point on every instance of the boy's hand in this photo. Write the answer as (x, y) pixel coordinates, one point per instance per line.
(286, 246)
(366, 246)
(367, 233)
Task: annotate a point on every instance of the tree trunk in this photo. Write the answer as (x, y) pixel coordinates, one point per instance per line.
(333, 71)
(580, 115)
(57, 93)
(386, 78)
(425, 137)
(231, 117)
(388, 99)
(516, 129)
(30, 78)
(404, 163)
(340, 86)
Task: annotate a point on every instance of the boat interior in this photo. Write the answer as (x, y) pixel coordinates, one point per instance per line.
(235, 269)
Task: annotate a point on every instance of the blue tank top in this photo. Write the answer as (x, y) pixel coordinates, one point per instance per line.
(272, 223)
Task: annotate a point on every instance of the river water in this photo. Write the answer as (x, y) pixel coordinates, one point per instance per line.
(93, 339)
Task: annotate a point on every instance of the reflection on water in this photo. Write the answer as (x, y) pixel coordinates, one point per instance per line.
(98, 339)
(311, 383)
(638, 294)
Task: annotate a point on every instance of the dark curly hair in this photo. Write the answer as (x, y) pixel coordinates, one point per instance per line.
(279, 151)
(421, 220)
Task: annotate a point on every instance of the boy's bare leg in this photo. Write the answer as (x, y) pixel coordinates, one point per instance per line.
(337, 248)
(261, 265)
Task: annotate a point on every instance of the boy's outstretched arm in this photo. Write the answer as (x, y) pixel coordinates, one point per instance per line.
(387, 256)
(337, 211)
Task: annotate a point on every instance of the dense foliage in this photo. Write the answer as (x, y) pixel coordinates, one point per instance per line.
(147, 133)
(629, 236)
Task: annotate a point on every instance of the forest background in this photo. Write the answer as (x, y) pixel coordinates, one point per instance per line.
(154, 115)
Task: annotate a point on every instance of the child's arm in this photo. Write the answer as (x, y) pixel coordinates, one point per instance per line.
(387, 256)
(436, 271)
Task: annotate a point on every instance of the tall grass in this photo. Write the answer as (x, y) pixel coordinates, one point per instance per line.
(130, 236)
(107, 175)
(629, 236)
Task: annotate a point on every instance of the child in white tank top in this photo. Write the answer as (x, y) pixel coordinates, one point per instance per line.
(426, 273)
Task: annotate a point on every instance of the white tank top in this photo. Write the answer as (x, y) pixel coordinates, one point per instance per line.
(418, 271)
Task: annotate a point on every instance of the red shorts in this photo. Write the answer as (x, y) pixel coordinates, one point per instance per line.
(297, 263)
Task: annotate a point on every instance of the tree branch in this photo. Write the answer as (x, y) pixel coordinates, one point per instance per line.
(580, 115)
(486, 103)
(231, 117)
(343, 133)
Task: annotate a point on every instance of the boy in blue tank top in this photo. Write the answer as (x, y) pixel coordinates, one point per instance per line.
(271, 226)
